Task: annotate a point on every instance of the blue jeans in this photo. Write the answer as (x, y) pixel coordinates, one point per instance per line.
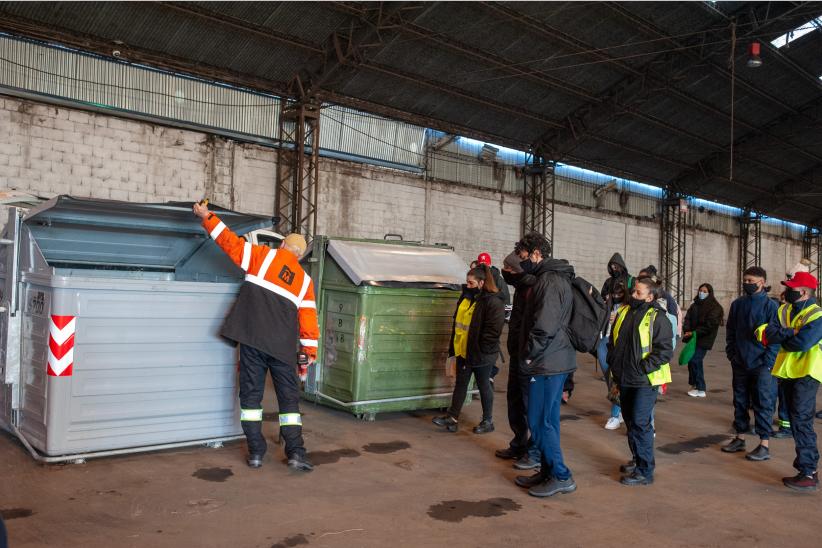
(544, 401)
(696, 373)
(755, 387)
(638, 410)
(801, 396)
(602, 356)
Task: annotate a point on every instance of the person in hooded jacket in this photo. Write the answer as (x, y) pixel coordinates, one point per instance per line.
(475, 335)
(548, 357)
(618, 273)
(639, 354)
(702, 321)
(516, 272)
(620, 299)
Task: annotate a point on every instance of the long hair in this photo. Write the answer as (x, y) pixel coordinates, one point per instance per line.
(482, 273)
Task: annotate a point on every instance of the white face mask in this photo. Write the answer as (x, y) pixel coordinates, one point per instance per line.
(702, 295)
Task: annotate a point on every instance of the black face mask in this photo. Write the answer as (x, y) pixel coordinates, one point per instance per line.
(750, 289)
(615, 273)
(472, 291)
(511, 278)
(527, 266)
(792, 295)
(636, 303)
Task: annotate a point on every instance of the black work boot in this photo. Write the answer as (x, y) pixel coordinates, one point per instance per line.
(628, 468)
(553, 487)
(508, 453)
(484, 427)
(635, 478)
(760, 453)
(254, 461)
(736, 445)
(300, 463)
(782, 433)
(531, 481)
(448, 422)
(527, 463)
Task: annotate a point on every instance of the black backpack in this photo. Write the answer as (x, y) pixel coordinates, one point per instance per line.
(587, 317)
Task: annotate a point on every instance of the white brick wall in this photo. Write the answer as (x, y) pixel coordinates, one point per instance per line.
(51, 150)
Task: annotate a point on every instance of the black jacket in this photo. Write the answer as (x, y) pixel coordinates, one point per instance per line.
(545, 346)
(485, 330)
(522, 283)
(610, 283)
(625, 359)
(704, 318)
(503, 294)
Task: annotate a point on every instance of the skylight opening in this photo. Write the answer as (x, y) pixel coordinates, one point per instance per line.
(798, 32)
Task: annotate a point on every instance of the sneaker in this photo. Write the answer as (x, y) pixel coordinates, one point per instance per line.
(530, 481)
(628, 468)
(801, 482)
(552, 487)
(635, 478)
(614, 423)
(448, 422)
(254, 461)
(696, 393)
(484, 427)
(782, 433)
(759, 454)
(508, 453)
(527, 463)
(299, 463)
(735, 446)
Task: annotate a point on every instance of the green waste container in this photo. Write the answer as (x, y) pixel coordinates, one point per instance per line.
(385, 312)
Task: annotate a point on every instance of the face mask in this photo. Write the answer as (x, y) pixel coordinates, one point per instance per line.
(750, 289)
(472, 291)
(702, 295)
(527, 266)
(614, 272)
(792, 295)
(511, 278)
(636, 303)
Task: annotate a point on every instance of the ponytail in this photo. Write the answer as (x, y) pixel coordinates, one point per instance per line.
(483, 273)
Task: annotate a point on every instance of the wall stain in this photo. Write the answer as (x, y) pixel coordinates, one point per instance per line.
(330, 457)
(693, 445)
(387, 447)
(455, 511)
(15, 513)
(213, 474)
(296, 540)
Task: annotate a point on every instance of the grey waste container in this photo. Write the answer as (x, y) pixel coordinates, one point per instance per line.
(109, 333)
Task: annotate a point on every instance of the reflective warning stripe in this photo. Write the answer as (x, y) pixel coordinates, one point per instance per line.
(274, 288)
(785, 424)
(304, 290)
(291, 419)
(784, 315)
(246, 256)
(269, 258)
(217, 230)
(308, 304)
(311, 343)
(459, 325)
(251, 414)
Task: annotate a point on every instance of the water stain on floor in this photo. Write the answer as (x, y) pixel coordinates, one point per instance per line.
(296, 540)
(693, 445)
(592, 413)
(318, 458)
(15, 513)
(455, 511)
(213, 474)
(717, 391)
(569, 417)
(387, 447)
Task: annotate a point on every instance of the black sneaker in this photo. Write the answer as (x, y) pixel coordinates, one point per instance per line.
(759, 454)
(527, 463)
(254, 461)
(736, 445)
(553, 487)
(484, 427)
(801, 482)
(635, 478)
(530, 481)
(448, 422)
(628, 468)
(300, 463)
(782, 433)
(508, 453)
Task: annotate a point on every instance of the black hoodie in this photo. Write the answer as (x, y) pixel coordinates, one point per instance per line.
(704, 318)
(546, 348)
(610, 283)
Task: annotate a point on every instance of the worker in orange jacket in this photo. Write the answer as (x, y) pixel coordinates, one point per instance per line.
(275, 315)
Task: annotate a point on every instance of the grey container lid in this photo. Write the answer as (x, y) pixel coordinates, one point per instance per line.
(370, 262)
(109, 233)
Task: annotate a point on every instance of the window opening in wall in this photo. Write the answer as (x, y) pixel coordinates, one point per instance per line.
(798, 32)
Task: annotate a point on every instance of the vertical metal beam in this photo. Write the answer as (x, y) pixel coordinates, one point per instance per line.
(672, 244)
(538, 197)
(298, 166)
(750, 242)
(812, 250)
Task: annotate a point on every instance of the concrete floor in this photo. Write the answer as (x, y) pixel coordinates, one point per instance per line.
(401, 482)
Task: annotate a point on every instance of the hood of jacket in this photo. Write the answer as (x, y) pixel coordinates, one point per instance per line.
(617, 259)
(559, 266)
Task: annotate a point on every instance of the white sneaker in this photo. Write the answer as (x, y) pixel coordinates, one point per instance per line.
(614, 423)
(696, 393)
(700, 394)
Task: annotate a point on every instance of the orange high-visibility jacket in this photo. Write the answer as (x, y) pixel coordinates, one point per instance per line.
(275, 311)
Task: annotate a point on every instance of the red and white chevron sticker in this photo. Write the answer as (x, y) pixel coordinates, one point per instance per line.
(61, 345)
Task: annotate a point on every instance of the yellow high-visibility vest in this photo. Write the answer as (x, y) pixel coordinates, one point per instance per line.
(795, 365)
(465, 312)
(661, 375)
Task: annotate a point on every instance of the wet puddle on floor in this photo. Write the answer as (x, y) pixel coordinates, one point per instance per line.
(290, 542)
(387, 447)
(318, 458)
(15, 513)
(213, 474)
(457, 510)
(693, 445)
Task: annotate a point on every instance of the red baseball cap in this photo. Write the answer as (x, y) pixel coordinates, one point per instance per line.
(801, 279)
(485, 258)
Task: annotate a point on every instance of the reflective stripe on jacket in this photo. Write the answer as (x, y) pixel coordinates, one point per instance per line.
(661, 375)
(795, 365)
(465, 311)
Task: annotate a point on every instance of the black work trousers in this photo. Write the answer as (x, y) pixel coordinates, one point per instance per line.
(254, 364)
(801, 400)
(638, 412)
(757, 388)
(486, 389)
(517, 399)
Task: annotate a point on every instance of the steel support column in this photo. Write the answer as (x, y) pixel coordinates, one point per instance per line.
(538, 197)
(750, 242)
(812, 250)
(298, 167)
(672, 244)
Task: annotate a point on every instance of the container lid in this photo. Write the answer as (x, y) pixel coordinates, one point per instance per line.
(368, 262)
(109, 233)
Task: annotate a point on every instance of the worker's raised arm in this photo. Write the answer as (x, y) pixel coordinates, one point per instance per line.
(246, 256)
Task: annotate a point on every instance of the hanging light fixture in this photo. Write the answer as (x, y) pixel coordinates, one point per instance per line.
(754, 59)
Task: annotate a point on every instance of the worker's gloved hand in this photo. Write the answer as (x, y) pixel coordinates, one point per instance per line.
(201, 209)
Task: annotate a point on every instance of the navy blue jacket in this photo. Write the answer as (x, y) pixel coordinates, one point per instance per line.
(808, 337)
(748, 313)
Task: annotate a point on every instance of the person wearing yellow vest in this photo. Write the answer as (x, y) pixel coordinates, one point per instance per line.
(639, 355)
(477, 327)
(798, 329)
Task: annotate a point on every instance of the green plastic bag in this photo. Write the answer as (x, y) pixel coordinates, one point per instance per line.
(688, 351)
